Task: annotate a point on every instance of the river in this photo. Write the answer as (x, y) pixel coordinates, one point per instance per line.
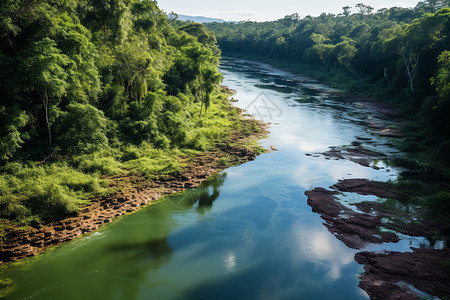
(246, 234)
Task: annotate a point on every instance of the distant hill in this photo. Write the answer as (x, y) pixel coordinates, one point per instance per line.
(199, 19)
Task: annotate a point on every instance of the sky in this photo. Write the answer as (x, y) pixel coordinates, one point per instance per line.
(268, 10)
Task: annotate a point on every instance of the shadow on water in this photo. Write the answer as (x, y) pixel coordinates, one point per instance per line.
(203, 196)
(156, 251)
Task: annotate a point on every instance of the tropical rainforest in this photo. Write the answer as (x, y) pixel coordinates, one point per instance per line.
(396, 54)
(90, 89)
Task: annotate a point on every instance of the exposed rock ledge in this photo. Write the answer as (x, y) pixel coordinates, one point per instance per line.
(354, 229)
(426, 270)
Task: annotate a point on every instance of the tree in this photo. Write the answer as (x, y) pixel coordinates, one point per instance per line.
(112, 17)
(44, 64)
(199, 31)
(442, 79)
(132, 69)
(364, 9)
(82, 129)
(347, 10)
(210, 79)
(344, 52)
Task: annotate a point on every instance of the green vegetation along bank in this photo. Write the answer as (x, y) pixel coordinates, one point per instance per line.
(91, 90)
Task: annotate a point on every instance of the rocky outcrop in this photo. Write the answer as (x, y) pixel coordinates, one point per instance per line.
(354, 229)
(359, 155)
(391, 275)
(366, 187)
(388, 275)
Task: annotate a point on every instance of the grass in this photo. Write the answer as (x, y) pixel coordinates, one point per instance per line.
(31, 192)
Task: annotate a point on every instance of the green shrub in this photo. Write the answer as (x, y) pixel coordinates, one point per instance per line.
(12, 209)
(130, 153)
(441, 201)
(198, 141)
(224, 162)
(412, 147)
(53, 202)
(104, 165)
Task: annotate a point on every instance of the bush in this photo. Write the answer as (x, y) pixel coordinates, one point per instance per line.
(12, 209)
(412, 147)
(94, 163)
(130, 153)
(53, 202)
(198, 142)
(12, 120)
(441, 202)
(49, 192)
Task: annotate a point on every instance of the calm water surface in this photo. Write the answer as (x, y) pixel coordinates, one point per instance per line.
(246, 234)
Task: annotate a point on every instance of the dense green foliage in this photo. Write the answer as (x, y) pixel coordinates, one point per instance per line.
(399, 53)
(91, 88)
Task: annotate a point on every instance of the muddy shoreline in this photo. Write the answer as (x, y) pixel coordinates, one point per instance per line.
(135, 192)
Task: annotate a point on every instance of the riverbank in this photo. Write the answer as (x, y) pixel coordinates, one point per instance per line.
(389, 274)
(134, 192)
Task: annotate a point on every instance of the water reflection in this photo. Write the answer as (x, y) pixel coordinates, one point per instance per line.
(230, 261)
(318, 246)
(203, 196)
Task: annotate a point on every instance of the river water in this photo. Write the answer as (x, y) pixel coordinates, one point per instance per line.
(246, 234)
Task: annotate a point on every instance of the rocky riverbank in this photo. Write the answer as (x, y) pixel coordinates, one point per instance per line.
(388, 275)
(136, 192)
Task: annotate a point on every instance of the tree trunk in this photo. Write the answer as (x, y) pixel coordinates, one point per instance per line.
(386, 69)
(45, 100)
(411, 71)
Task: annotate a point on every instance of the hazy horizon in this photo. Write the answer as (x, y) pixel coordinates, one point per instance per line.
(265, 10)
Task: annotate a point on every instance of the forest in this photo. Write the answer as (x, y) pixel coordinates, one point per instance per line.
(90, 89)
(399, 55)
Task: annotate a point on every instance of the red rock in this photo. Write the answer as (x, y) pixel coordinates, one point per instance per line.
(423, 269)
(365, 187)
